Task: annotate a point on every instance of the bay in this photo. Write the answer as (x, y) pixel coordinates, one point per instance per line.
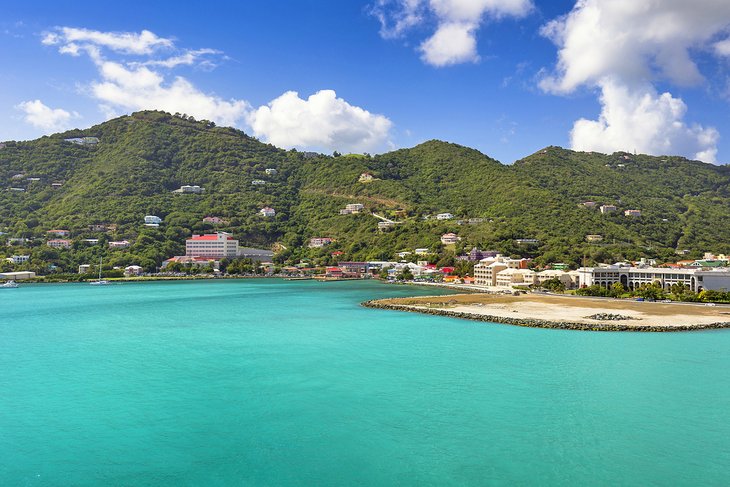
(269, 382)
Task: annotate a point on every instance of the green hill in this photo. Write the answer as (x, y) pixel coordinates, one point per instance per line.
(141, 159)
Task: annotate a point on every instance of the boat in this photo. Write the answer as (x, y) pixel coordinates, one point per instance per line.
(100, 281)
(9, 284)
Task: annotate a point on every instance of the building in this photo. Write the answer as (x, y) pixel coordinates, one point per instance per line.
(570, 279)
(444, 216)
(59, 233)
(607, 208)
(83, 140)
(355, 207)
(422, 251)
(384, 226)
(188, 189)
(270, 171)
(695, 279)
(133, 270)
(449, 238)
(632, 213)
(365, 177)
(485, 272)
(594, 238)
(120, 244)
(258, 182)
(589, 204)
(17, 276)
(194, 261)
(103, 227)
(318, 242)
(152, 220)
(257, 255)
(217, 246)
(18, 259)
(527, 241)
(91, 241)
(515, 277)
(267, 212)
(85, 269)
(59, 243)
(56, 185)
(17, 241)
(214, 220)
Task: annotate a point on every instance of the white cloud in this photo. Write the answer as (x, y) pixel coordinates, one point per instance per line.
(44, 117)
(321, 121)
(454, 41)
(642, 120)
(141, 88)
(144, 42)
(622, 47)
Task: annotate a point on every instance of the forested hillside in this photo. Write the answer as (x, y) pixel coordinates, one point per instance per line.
(140, 159)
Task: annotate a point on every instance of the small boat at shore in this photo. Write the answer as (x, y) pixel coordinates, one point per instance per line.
(100, 281)
(9, 284)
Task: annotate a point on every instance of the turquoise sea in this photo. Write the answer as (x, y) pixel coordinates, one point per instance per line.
(268, 382)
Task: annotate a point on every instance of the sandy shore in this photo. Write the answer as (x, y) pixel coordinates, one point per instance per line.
(555, 311)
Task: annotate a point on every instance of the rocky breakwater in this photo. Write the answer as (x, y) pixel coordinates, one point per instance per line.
(612, 325)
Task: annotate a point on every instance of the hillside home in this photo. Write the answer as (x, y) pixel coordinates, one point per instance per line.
(59, 243)
(632, 213)
(594, 238)
(18, 259)
(258, 182)
(527, 241)
(444, 216)
(152, 219)
(133, 270)
(83, 140)
(90, 241)
(188, 189)
(17, 241)
(449, 238)
(319, 242)
(422, 251)
(589, 204)
(59, 233)
(120, 244)
(270, 171)
(214, 220)
(384, 226)
(365, 177)
(267, 212)
(607, 209)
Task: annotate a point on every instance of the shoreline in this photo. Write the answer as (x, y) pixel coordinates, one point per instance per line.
(563, 313)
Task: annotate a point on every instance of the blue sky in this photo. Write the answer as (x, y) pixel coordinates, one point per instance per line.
(506, 77)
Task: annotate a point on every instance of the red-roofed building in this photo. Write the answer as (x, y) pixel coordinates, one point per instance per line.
(333, 272)
(217, 246)
(447, 270)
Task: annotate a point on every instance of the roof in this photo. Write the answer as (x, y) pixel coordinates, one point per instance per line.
(207, 237)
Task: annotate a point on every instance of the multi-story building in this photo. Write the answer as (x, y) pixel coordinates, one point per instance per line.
(19, 259)
(449, 238)
(59, 243)
(152, 220)
(217, 246)
(632, 277)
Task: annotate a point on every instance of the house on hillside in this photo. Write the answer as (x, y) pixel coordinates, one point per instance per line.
(366, 177)
(444, 216)
(607, 209)
(270, 171)
(119, 244)
(632, 213)
(59, 233)
(189, 189)
(152, 220)
(59, 243)
(267, 212)
(214, 220)
(449, 238)
(319, 242)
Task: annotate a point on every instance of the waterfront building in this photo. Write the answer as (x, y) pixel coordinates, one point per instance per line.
(695, 279)
(217, 245)
(85, 269)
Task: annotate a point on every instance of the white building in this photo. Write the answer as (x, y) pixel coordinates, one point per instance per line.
(515, 277)
(270, 171)
(354, 207)
(217, 245)
(189, 189)
(59, 243)
(84, 268)
(444, 216)
(258, 182)
(422, 251)
(133, 270)
(449, 238)
(152, 219)
(607, 208)
(632, 277)
(318, 242)
(267, 212)
(119, 244)
(383, 226)
(18, 259)
(632, 213)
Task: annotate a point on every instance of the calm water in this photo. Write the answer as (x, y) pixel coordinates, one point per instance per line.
(269, 382)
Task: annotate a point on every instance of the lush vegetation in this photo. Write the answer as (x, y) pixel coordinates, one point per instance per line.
(140, 159)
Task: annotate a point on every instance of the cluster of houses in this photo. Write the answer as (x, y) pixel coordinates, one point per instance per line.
(605, 209)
